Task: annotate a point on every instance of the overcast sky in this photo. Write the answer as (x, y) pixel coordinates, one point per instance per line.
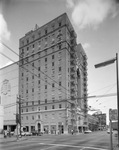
(96, 23)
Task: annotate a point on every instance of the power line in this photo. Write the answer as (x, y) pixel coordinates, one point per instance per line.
(32, 72)
(30, 64)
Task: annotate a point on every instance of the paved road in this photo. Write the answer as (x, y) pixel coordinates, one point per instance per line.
(93, 141)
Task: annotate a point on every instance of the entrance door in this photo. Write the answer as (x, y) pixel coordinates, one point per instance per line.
(39, 127)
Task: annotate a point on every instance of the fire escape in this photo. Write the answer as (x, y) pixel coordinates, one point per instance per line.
(73, 79)
(85, 89)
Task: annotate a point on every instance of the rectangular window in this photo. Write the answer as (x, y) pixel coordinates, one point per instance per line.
(33, 77)
(45, 86)
(26, 109)
(53, 106)
(45, 59)
(60, 83)
(26, 78)
(32, 102)
(26, 91)
(38, 68)
(45, 100)
(39, 102)
(59, 68)
(60, 106)
(26, 103)
(45, 107)
(46, 31)
(32, 89)
(53, 56)
(60, 24)
(52, 63)
(53, 85)
(27, 41)
(39, 82)
(32, 117)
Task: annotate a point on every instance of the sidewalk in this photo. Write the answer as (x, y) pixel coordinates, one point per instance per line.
(10, 139)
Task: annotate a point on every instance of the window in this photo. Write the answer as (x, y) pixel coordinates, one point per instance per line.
(39, 82)
(46, 31)
(33, 45)
(32, 108)
(45, 100)
(60, 105)
(53, 85)
(32, 117)
(26, 109)
(45, 107)
(27, 41)
(52, 63)
(22, 111)
(26, 103)
(39, 102)
(59, 68)
(60, 24)
(45, 86)
(22, 74)
(32, 76)
(32, 102)
(45, 59)
(53, 106)
(32, 89)
(26, 91)
(60, 83)
(38, 116)
(38, 68)
(53, 56)
(59, 46)
(32, 64)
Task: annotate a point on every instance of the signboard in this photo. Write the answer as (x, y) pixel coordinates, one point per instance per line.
(113, 114)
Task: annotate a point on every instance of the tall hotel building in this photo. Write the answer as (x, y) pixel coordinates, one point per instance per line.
(52, 79)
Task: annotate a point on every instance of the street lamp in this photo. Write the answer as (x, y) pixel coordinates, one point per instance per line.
(103, 64)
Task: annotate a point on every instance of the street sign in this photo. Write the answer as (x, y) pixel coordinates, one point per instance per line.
(113, 114)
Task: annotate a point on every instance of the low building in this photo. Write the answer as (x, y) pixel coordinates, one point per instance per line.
(8, 94)
(102, 120)
(93, 123)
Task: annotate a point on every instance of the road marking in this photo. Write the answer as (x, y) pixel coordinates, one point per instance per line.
(49, 147)
(73, 146)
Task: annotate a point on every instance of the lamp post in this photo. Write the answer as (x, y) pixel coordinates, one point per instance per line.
(103, 64)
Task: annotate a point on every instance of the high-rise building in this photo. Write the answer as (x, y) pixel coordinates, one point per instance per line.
(52, 78)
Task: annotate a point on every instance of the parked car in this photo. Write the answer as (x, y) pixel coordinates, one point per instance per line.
(87, 131)
(37, 133)
(26, 133)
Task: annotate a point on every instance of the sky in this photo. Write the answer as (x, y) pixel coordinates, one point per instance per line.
(96, 23)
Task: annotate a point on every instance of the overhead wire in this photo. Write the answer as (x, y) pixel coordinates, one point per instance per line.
(30, 64)
(31, 72)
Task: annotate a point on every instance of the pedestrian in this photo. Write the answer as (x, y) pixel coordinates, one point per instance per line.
(72, 131)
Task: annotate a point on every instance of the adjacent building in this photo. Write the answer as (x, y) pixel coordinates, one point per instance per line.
(8, 96)
(102, 120)
(53, 79)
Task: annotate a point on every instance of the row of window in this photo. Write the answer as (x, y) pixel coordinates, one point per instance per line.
(38, 117)
(39, 34)
(39, 48)
(53, 107)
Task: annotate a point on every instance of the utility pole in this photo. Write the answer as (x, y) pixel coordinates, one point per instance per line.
(19, 102)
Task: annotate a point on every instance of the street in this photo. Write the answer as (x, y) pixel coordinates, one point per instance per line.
(94, 141)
